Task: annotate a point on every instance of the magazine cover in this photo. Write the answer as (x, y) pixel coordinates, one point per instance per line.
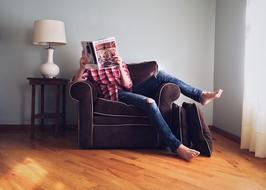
(101, 52)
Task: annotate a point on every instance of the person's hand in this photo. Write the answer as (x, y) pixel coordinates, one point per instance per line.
(84, 76)
(83, 61)
(118, 60)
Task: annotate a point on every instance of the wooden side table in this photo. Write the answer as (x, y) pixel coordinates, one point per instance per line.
(60, 97)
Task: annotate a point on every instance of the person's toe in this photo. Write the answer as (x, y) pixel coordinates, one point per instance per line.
(219, 93)
(195, 153)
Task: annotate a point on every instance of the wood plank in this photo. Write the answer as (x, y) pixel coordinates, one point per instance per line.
(57, 163)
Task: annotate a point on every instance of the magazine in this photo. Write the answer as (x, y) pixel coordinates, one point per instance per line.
(101, 52)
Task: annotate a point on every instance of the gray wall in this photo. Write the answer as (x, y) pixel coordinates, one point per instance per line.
(179, 34)
(229, 64)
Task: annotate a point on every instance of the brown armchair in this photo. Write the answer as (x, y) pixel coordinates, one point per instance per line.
(112, 124)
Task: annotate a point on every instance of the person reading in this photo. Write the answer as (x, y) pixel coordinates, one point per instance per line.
(139, 96)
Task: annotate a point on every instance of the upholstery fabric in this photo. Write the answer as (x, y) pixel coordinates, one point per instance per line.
(198, 130)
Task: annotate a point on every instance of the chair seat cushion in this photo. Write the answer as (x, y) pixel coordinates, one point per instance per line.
(116, 108)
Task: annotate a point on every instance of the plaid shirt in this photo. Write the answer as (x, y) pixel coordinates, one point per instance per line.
(107, 81)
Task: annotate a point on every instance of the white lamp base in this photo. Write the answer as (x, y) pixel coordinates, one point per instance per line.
(50, 69)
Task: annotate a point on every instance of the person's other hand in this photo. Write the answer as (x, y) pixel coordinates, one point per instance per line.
(84, 76)
(83, 61)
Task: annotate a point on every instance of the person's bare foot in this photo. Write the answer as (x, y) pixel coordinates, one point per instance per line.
(207, 97)
(186, 153)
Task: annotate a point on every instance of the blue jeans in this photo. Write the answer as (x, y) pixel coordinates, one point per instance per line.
(139, 98)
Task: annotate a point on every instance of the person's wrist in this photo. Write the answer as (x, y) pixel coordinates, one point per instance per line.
(121, 66)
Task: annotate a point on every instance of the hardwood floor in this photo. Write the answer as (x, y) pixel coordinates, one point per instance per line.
(56, 163)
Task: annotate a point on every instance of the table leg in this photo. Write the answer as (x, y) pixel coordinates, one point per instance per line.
(33, 111)
(64, 107)
(57, 109)
(42, 103)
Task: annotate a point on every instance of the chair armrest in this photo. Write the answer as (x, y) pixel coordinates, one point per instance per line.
(82, 90)
(166, 95)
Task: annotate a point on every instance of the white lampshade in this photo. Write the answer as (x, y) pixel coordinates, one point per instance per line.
(49, 32)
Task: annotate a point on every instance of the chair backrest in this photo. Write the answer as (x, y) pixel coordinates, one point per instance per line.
(141, 71)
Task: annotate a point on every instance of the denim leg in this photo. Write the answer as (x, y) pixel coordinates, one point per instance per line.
(150, 85)
(147, 87)
(154, 114)
(186, 89)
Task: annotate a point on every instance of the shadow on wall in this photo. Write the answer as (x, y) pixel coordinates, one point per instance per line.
(31, 69)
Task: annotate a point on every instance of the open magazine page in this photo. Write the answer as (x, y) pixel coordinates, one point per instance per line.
(105, 51)
(89, 51)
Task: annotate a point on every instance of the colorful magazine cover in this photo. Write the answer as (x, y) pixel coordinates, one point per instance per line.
(101, 52)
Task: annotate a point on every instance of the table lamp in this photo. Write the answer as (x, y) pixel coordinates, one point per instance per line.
(49, 33)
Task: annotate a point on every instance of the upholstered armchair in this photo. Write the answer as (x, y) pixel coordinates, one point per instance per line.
(112, 124)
